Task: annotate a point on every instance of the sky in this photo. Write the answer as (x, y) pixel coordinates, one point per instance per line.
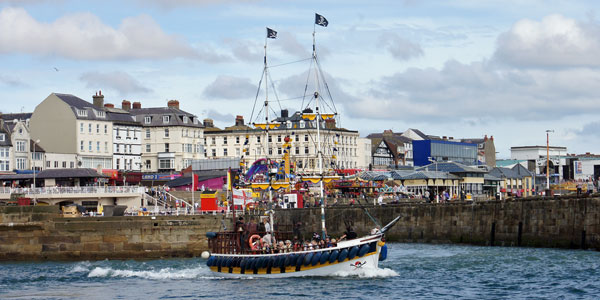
(466, 68)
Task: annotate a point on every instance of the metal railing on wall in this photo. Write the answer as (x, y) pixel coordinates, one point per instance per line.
(74, 190)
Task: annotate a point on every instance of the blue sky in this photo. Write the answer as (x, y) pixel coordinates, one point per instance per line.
(511, 69)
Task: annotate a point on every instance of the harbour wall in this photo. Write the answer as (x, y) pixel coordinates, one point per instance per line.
(561, 222)
(40, 233)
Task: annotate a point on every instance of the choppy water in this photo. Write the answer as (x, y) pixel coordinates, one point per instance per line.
(412, 271)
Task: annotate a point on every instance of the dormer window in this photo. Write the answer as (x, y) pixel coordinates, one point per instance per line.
(166, 119)
(288, 124)
(301, 123)
(100, 114)
(82, 113)
(185, 119)
(2, 137)
(147, 120)
(195, 120)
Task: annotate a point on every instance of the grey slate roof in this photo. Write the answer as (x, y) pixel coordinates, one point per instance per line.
(115, 115)
(374, 175)
(451, 167)
(7, 141)
(504, 173)
(122, 118)
(77, 103)
(420, 133)
(69, 173)
(16, 116)
(491, 177)
(519, 169)
(295, 119)
(156, 113)
(74, 101)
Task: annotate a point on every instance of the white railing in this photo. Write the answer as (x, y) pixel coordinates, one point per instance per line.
(75, 190)
(173, 199)
(155, 201)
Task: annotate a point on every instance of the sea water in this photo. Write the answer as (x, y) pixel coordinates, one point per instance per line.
(412, 271)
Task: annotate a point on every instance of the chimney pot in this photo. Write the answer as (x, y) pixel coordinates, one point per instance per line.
(137, 105)
(239, 121)
(173, 104)
(126, 105)
(98, 100)
(109, 105)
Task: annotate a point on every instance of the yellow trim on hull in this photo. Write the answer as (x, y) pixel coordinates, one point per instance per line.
(290, 269)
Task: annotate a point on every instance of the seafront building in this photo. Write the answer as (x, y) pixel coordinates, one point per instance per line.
(66, 124)
(414, 148)
(340, 145)
(16, 129)
(171, 138)
(126, 136)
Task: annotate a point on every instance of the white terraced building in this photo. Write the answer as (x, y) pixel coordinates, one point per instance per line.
(71, 126)
(340, 146)
(171, 138)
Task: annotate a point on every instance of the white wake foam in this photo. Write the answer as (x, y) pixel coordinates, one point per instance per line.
(166, 273)
(83, 266)
(368, 273)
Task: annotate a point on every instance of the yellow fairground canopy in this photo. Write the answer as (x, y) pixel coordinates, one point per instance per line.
(316, 179)
(265, 185)
(310, 116)
(264, 126)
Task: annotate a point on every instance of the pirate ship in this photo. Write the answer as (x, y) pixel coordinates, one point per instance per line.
(270, 253)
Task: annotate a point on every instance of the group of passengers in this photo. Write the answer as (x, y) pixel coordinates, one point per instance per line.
(250, 241)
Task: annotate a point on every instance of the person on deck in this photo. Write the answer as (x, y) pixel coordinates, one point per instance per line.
(349, 234)
(267, 225)
(240, 228)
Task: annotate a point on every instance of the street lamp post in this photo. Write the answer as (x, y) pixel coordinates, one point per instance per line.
(548, 162)
(431, 159)
(34, 171)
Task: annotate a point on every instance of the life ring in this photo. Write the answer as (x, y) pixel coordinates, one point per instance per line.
(254, 244)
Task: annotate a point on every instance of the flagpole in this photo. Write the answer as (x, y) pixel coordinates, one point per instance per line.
(267, 117)
(193, 188)
(318, 119)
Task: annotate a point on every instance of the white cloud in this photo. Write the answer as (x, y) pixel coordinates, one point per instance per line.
(289, 44)
(83, 36)
(249, 51)
(555, 41)
(119, 81)
(478, 92)
(227, 119)
(11, 81)
(400, 48)
(591, 129)
(185, 3)
(230, 87)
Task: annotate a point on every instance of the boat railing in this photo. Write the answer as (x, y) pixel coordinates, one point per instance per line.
(231, 242)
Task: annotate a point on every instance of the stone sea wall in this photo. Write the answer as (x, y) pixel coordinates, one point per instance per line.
(558, 222)
(40, 233)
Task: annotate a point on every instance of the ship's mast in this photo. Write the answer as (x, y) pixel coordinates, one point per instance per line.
(266, 70)
(318, 121)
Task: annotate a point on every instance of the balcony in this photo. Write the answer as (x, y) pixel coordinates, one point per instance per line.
(166, 154)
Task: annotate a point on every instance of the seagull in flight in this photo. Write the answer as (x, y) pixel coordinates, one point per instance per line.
(56, 69)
